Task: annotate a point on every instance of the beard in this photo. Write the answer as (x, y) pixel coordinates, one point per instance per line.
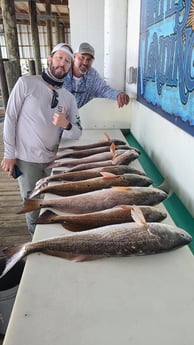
(57, 72)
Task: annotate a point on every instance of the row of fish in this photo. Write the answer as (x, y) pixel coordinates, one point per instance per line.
(110, 208)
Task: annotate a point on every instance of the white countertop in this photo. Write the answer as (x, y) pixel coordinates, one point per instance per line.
(127, 301)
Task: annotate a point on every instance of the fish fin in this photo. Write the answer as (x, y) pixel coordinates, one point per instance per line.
(34, 193)
(137, 215)
(124, 207)
(74, 228)
(59, 254)
(72, 256)
(46, 217)
(53, 165)
(30, 205)
(107, 175)
(81, 258)
(107, 137)
(42, 182)
(13, 255)
(120, 188)
(112, 148)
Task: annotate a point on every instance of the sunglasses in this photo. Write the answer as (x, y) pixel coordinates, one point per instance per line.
(55, 100)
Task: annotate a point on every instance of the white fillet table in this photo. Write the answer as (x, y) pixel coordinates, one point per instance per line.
(127, 301)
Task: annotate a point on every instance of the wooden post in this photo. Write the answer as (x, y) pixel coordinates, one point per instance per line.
(11, 77)
(4, 88)
(32, 68)
(11, 38)
(49, 26)
(35, 35)
(61, 33)
(66, 34)
(57, 29)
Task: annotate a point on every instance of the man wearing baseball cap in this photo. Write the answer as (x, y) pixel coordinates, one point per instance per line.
(86, 83)
(38, 110)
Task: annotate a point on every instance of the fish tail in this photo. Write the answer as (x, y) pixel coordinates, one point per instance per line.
(34, 193)
(42, 182)
(48, 216)
(13, 255)
(53, 165)
(30, 205)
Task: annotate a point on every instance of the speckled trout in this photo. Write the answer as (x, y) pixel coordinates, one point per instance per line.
(106, 180)
(116, 215)
(98, 200)
(117, 240)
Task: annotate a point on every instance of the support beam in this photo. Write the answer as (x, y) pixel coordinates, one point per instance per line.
(49, 26)
(11, 38)
(3, 82)
(35, 35)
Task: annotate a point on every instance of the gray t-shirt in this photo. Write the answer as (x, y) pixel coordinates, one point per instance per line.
(28, 130)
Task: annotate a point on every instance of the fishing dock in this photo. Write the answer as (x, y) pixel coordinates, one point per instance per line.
(108, 301)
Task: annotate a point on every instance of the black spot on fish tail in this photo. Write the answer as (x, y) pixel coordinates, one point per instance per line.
(30, 205)
(48, 216)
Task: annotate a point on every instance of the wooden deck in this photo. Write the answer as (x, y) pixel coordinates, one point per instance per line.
(13, 229)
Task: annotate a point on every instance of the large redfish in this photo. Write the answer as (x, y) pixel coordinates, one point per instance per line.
(106, 180)
(117, 240)
(122, 159)
(106, 142)
(98, 157)
(98, 200)
(90, 152)
(87, 174)
(116, 215)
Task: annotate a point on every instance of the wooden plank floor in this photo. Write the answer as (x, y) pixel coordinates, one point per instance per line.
(13, 229)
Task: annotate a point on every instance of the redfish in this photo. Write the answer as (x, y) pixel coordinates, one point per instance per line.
(116, 215)
(122, 159)
(117, 240)
(98, 157)
(106, 142)
(98, 200)
(87, 174)
(90, 152)
(106, 180)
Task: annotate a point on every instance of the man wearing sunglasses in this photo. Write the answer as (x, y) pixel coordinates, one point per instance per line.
(85, 83)
(38, 111)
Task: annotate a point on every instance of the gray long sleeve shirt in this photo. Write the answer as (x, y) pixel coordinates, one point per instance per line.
(28, 130)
